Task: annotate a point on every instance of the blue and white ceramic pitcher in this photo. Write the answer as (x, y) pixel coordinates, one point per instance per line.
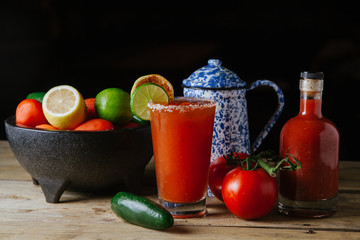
(231, 128)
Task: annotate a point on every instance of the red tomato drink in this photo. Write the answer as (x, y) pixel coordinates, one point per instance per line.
(182, 137)
(317, 179)
(314, 140)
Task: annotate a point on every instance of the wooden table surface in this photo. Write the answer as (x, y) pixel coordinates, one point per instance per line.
(24, 214)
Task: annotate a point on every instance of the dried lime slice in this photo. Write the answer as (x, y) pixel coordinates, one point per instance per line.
(156, 79)
(142, 95)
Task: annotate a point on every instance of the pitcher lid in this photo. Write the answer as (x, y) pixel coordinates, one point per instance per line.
(214, 76)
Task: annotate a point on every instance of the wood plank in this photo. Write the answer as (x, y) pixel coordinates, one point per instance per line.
(21, 199)
(117, 230)
(24, 214)
(9, 166)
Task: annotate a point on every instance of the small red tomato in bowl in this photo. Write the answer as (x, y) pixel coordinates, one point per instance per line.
(29, 113)
(249, 194)
(96, 124)
(90, 107)
(219, 168)
(46, 126)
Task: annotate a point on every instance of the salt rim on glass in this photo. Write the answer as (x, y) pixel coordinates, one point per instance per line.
(194, 103)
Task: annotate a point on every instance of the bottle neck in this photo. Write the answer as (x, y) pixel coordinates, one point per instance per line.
(310, 104)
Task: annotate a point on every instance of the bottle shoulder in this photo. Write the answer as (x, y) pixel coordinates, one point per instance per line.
(300, 123)
(329, 122)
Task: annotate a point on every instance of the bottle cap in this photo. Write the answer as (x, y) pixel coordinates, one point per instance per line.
(312, 75)
(311, 81)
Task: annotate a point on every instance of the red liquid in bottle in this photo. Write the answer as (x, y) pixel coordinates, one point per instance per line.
(314, 140)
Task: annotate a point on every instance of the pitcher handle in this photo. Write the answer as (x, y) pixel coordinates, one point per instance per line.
(260, 138)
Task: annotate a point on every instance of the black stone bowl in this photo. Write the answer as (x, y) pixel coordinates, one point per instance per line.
(82, 161)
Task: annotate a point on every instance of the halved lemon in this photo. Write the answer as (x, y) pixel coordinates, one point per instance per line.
(142, 95)
(64, 107)
(156, 79)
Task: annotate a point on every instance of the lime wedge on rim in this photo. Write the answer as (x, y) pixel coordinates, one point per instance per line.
(155, 79)
(142, 95)
(137, 120)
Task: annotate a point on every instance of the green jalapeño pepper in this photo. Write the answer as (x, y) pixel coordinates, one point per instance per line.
(141, 211)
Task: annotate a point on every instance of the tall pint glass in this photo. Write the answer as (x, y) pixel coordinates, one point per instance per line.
(182, 136)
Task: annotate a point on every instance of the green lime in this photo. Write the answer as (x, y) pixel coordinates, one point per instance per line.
(137, 120)
(36, 95)
(113, 104)
(141, 97)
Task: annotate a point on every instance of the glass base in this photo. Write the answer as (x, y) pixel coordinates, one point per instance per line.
(309, 209)
(185, 210)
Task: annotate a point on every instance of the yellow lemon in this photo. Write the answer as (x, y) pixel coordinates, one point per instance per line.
(64, 107)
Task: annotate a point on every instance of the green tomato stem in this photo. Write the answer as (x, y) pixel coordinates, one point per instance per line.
(270, 170)
(273, 170)
(252, 162)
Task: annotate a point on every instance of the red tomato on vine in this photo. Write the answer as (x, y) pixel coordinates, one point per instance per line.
(249, 194)
(219, 168)
(250, 191)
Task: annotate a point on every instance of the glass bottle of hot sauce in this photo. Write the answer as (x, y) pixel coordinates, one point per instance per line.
(311, 191)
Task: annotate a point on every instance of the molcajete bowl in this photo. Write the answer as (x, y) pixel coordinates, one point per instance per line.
(79, 160)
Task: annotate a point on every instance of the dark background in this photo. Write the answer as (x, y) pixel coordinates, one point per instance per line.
(93, 45)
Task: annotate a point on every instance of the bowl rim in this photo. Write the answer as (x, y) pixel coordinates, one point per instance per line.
(11, 122)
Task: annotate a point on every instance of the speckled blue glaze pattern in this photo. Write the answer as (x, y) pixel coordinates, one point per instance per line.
(231, 127)
(221, 77)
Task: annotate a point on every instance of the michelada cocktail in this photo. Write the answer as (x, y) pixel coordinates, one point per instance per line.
(182, 136)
